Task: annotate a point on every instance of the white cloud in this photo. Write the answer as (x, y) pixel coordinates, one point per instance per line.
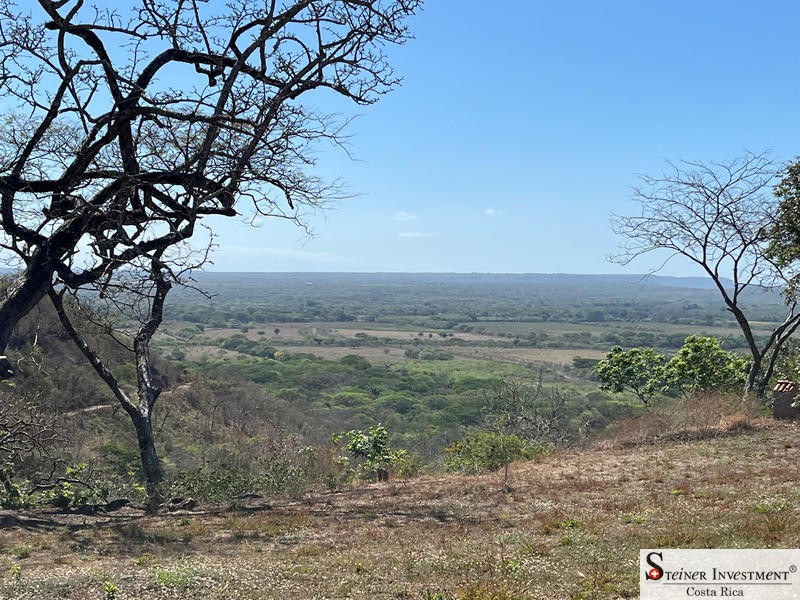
(493, 212)
(404, 216)
(415, 234)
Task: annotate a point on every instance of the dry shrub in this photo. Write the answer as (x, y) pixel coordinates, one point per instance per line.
(701, 415)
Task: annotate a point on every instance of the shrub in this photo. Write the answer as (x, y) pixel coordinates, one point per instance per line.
(369, 452)
(356, 362)
(486, 451)
(434, 354)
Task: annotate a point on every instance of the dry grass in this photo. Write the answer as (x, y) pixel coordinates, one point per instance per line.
(567, 526)
(701, 415)
(292, 338)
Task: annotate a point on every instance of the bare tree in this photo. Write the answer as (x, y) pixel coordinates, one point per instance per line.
(718, 216)
(532, 413)
(26, 436)
(122, 130)
(138, 292)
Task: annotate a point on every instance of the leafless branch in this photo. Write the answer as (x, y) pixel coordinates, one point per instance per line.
(718, 216)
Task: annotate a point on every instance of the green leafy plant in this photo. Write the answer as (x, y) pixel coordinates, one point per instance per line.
(19, 551)
(181, 577)
(701, 364)
(15, 495)
(370, 456)
(639, 370)
(111, 590)
(486, 451)
(15, 572)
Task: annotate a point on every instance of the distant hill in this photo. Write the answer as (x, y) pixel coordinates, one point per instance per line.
(553, 279)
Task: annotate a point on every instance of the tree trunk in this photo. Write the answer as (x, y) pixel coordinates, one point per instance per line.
(151, 466)
(141, 415)
(752, 377)
(19, 299)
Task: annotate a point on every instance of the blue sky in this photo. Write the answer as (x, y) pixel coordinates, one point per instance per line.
(521, 126)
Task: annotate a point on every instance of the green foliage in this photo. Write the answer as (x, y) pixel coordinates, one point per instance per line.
(486, 451)
(424, 403)
(66, 494)
(181, 577)
(357, 362)
(15, 572)
(460, 303)
(784, 244)
(17, 495)
(702, 365)
(369, 452)
(23, 551)
(78, 486)
(241, 343)
(580, 362)
(639, 370)
(788, 364)
(110, 589)
(434, 354)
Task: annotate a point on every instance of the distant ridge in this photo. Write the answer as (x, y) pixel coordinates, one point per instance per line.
(697, 283)
(563, 279)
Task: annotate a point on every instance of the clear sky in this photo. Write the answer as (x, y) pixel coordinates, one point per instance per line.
(521, 126)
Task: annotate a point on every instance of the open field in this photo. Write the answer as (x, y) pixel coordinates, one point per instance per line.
(298, 337)
(599, 329)
(293, 332)
(556, 356)
(567, 526)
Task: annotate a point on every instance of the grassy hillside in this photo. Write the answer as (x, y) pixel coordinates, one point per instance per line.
(567, 526)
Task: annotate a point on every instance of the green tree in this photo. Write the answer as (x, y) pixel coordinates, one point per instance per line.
(702, 364)
(784, 244)
(788, 365)
(370, 455)
(639, 370)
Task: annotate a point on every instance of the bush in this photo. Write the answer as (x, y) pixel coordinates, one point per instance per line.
(369, 453)
(434, 354)
(356, 362)
(486, 451)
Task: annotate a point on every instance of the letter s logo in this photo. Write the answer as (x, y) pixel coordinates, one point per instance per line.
(656, 572)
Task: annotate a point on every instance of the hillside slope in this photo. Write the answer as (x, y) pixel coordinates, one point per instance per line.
(567, 526)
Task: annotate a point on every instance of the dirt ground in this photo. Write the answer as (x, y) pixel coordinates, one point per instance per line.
(569, 525)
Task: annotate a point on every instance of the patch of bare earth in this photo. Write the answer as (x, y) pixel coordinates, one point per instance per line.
(567, 526)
